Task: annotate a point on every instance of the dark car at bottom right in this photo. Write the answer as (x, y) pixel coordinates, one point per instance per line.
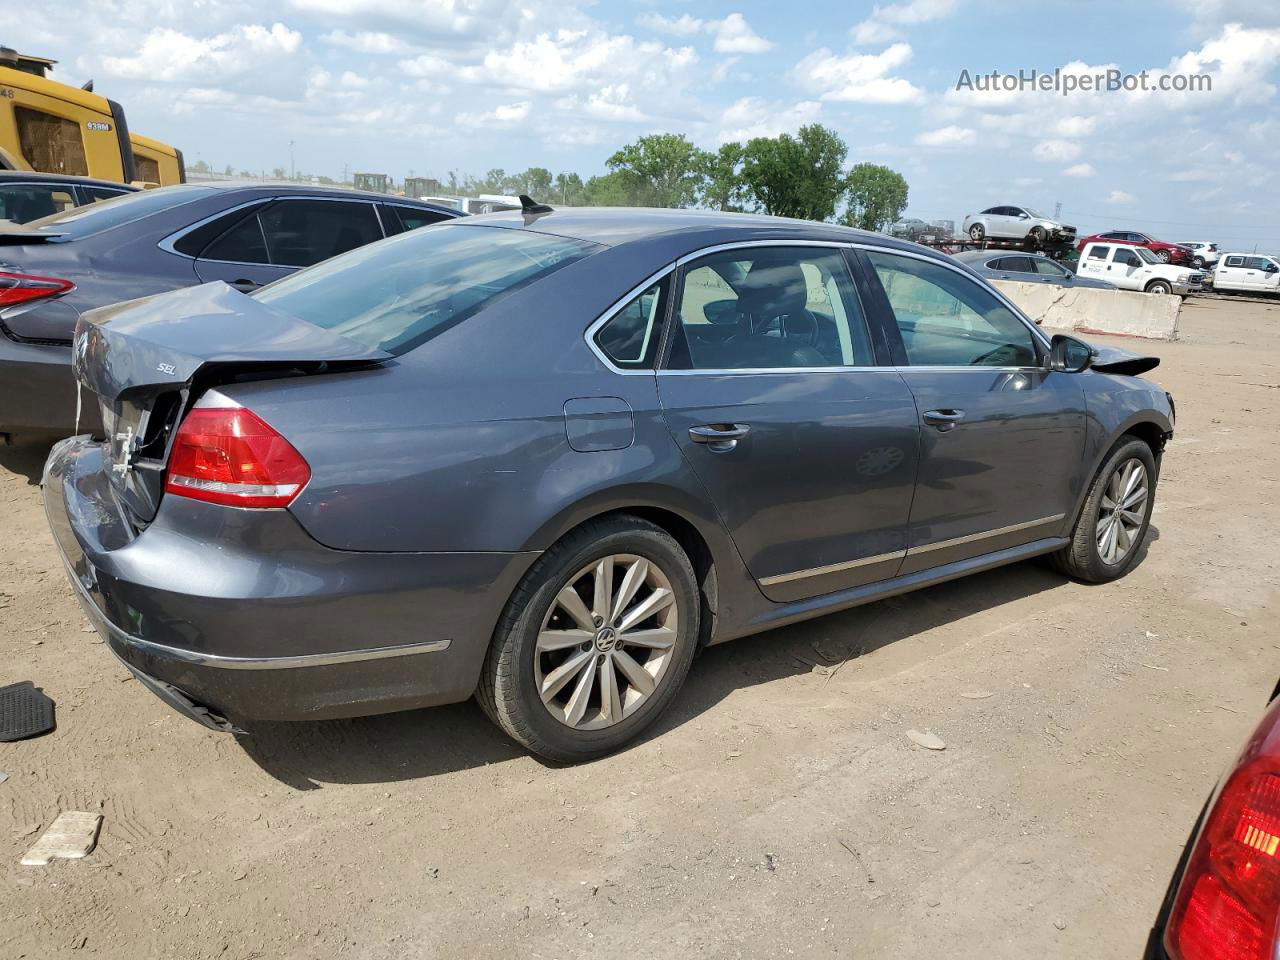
(1224, 900)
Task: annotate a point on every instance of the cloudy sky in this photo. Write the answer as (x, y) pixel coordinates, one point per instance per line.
(435, 85)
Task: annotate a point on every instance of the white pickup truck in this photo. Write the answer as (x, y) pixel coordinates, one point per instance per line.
(1136, 268)
(1249, 272)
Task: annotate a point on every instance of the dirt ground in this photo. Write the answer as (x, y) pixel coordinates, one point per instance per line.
(780, 810)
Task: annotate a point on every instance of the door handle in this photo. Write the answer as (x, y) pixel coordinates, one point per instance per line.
(719, 437)
(244, 285)
(944, 420)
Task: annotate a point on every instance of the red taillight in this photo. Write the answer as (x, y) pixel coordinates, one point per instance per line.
(1228, 905)
(21, 288)
(229, 455)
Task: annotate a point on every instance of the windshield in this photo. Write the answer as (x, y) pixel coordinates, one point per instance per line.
(398, 293)
(1146, 255)
(96, 217)
(1035, 213)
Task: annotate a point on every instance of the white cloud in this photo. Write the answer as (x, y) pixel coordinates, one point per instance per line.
(734, 35)
(508, 113)
(1079, 170)
(1119, 196)
(1057, 151)
(947, 137)
(682, 26)
(1075, 126)
(857, 78)
(366, 42)
(882, 26)
(575, 60)
(753, 117)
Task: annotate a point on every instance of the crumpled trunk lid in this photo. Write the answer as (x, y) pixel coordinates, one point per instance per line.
(143, 362)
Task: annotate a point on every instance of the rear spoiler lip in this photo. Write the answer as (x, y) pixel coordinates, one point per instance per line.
(21, 233)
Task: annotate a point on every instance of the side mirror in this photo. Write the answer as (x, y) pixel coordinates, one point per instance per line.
(1069, 355)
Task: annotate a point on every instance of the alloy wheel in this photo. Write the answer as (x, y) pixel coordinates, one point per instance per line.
(1122, 511)
(606, 642)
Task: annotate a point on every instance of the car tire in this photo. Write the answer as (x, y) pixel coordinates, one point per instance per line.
(1037, 237)
(1198, 262)
(1158, 286)
(1164, 256)
(571, 724)
(1106, 543)
(977, 233)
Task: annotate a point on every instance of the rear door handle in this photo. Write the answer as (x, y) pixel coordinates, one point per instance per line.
(945, 419)
(244, 285)
(719, 437)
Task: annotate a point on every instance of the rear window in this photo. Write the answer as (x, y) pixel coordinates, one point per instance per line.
(94, 218)
(398, 294)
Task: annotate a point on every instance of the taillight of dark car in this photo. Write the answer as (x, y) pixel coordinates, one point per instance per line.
(1228, 903)
(18, 288)
(231, 456)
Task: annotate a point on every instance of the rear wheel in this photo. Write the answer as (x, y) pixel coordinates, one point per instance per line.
(1113, 523)
(977, 232)
(595, 642)
(1159, 286)
(1198, 262)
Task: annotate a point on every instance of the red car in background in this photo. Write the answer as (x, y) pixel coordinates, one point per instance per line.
(1167, 252)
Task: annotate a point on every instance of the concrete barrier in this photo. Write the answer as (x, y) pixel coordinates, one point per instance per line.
(1123, 313)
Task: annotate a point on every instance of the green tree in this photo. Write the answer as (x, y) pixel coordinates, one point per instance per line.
(722, 187)
(568, 189)
(662, 170)
(617, 189)
(536, 182)
(876, 197)
(798, 176)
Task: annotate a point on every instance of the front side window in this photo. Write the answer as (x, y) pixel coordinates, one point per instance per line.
(1127, 257)
(1257, 263)
(1044, 265)
(98, 194)
(51, 144)
(630, 337)
(24, 202)
(948, 320)
(766, 308)
(396, 295)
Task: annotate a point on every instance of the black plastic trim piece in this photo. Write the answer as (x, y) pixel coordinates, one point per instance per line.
(122, 137)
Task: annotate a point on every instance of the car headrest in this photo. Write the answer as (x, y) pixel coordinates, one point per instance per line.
(773, 288)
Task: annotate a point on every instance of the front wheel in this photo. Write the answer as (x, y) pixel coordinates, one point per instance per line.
(1159, 286)
(977, 232)
(1037, 237)
(1164, 256)
(1113, 523)
(595, 642)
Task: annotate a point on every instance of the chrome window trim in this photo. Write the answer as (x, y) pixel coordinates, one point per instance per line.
(635, 291)
(167, 243)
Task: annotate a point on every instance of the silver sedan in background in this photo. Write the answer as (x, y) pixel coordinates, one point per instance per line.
(1027, 267)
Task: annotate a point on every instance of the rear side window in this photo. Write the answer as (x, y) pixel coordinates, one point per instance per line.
(396, 295)
(1235, 261)
(51, 144)
(1099, 253)
(290, 233)
(94, 218)
(630, 337)
(24, 202)
(397, 218)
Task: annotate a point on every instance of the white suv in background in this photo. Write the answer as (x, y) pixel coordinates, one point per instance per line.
(1251, 272)
(1016, 223)
(1203, 253)
(1136, 268)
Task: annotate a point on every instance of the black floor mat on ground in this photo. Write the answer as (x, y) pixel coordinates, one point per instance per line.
(24, 712)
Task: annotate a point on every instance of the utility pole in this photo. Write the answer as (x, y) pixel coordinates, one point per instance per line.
(1057, 210)
(293, 173)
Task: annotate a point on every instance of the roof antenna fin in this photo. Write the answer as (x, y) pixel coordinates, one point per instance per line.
(531, 207)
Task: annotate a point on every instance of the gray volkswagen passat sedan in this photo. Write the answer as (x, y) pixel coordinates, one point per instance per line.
(1026, 267)
(542, 458)
(54, 269)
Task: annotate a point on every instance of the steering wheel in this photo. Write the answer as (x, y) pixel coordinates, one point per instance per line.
(810, 338)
